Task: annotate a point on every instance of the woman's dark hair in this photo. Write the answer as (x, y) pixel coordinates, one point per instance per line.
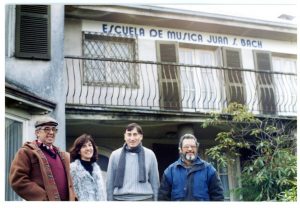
(79, 142)
(131, 126)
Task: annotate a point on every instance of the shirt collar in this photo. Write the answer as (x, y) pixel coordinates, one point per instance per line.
(44, 145)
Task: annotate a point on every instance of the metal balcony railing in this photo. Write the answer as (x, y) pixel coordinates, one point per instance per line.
(177, 87)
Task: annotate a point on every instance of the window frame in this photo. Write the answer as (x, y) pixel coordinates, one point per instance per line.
(133, 75)
(171, 80)
(200, 77)
(262, 87)
(24, 124)
(228, 84)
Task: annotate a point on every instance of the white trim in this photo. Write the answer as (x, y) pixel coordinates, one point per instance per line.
(29, 103)
(25, 123)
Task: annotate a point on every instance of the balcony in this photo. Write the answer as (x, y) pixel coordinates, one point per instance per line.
(144, 85)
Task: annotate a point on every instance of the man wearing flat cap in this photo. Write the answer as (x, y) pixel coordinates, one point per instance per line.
(40, 171)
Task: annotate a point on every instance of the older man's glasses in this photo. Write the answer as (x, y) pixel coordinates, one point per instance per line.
(186, 147)
(49, 129)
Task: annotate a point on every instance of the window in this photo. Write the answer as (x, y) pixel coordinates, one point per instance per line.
(264, 79)
(284, 64)
(169, 78)
(13, 141)
(118, 69)
(188, 91)
(223, 174)
(204, 79)
(234, 81)
(285, 84)
(33, 32)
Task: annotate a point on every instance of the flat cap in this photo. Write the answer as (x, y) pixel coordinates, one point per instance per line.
(45, 121)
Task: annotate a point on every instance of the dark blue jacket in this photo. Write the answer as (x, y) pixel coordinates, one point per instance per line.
(198, 183)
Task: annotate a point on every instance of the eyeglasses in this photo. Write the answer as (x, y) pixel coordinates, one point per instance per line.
(48, 129)
(189, 146)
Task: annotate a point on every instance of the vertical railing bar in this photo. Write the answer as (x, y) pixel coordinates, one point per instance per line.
(295, 90)
(129, 82)
(251, 96)
(149, 85)
(276, 100)
(226, 87)
(279, 98)
(113, 88)
(131, 88)
(143, 92)
(74, 80)
(106, 65)
(285, 92)
(122, 64)
(193, 69)
(205, 84)
(260, 88)
(214, 75)
(173, 85)
(237, 83)
(183, 85)
(68, 81)
(137, 91)
(155, 83)
(81, 74)
(162, 82)
(189, 86)
(100, 91)
(210, 87)
(198, 105)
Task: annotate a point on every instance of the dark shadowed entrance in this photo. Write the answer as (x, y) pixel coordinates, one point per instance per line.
(165, 154)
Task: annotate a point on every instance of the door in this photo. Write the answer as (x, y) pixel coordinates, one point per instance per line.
(264, 80)
(165, 155)
(234, 82)
(13, 141)
(169, 78)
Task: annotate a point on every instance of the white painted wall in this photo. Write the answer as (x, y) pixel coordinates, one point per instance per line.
(148, 76)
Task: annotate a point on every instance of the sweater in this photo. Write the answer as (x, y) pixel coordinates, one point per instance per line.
(59, 175)
(132, 189)
(88, 187)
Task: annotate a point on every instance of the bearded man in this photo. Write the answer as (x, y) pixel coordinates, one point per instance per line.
(190, 178)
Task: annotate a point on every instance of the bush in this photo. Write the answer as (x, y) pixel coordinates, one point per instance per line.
(270, 173)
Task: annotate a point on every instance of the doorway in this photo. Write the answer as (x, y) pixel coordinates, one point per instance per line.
(165, 154)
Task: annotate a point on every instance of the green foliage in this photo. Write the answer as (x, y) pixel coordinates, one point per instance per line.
(289, 195)
(270, 173)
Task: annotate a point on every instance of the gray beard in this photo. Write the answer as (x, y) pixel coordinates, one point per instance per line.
(189, 157)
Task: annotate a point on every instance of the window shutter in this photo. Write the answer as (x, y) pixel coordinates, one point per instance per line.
(234, 84)
(169, 77)
(33, 31)
(232, 58)
(262, 60)
(168, 53)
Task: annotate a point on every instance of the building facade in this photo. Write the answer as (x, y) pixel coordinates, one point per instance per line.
(163, 68)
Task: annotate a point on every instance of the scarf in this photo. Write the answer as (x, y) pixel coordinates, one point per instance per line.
(49, 150)
(119, 179)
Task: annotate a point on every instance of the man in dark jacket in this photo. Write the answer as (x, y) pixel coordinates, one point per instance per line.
(190, 178)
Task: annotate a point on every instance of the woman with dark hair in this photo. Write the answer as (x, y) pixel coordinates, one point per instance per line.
(85, 172)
